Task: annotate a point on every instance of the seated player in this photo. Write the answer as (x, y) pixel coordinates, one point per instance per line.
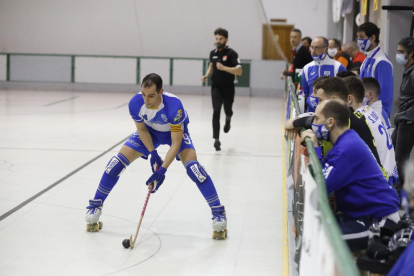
(382, 137)
(335, 88)
(371, 98)
(362, 194)
(160, 119)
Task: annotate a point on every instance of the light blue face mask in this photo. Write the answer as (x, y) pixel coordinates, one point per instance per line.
(319, 58)
(401, 59)
(321, 132)
(365, 101)
(364, 44)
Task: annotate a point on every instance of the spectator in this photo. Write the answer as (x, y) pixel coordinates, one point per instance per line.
(381, 135)
(335, 52)
(307, 42)
(377, 64)
(371, 98)
(352, 49)
(403, 135)
(361, 192)
(301, 55)
(335, 88)
(322, 65)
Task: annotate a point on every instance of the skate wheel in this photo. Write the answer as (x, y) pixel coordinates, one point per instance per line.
(220, 235)
(100, 225)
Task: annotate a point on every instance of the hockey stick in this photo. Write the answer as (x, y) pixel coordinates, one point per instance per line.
(132, 241)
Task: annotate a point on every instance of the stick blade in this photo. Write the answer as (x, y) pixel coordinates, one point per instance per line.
(131, 242)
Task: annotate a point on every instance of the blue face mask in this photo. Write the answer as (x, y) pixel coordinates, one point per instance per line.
(364, 44)
(401, 59)
(321, 132)
(319, 58)
(314, 101)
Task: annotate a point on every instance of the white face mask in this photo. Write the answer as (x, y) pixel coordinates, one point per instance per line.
(332, 52)
(401, 59)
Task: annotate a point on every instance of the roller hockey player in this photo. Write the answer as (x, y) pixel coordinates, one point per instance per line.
(160, 120)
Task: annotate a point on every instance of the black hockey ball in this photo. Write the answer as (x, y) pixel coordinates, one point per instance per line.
(125, 243)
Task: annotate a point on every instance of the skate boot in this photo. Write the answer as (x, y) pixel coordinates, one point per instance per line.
(219, 222)
(93, 214)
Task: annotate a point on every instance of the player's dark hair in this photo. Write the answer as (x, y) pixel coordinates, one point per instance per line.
(317, 83)
(407, 42)
(371, 84)
(356, 88)
(222, 32)
(338, 110)
(337, 43)
(151, 79)
(333, 86)
(297, 31)
(369, 29)
(345, 74)
(308, 39)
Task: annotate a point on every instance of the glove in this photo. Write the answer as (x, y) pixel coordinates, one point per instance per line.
(155, 160)
(157, 178)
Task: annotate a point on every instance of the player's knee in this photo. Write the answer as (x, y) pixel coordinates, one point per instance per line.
(117, 165)
(196, 172)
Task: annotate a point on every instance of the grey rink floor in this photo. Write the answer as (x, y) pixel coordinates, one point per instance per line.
(52, 140)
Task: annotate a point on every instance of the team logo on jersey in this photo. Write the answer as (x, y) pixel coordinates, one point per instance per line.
(326, 73)
(224, 58)
(178, 116)
(145, 117)
(164, 118)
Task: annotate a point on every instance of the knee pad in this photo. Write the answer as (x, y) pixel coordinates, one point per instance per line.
(196, 172)
(117, 165)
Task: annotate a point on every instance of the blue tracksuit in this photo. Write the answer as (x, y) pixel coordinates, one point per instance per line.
(314, 70)
(378, 65)
(352, 172)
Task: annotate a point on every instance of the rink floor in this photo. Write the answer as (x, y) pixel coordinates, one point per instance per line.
(52, 140)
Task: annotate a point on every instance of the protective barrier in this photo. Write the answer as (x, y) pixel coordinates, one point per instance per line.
(319, 246)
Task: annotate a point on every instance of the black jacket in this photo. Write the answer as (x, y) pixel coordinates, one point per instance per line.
(301, 58)
(406, 98)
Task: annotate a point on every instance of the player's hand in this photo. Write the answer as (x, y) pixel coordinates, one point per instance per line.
(289, 124)
(291, 133)
(220, 66)
(204, 78)
(309, 133)
(282, 77)
(155, 160)
(157, 178)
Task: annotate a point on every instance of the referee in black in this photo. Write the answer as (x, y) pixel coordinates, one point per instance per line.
(224, 64)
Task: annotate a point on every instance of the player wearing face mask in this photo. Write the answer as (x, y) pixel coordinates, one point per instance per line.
(377, 64)
(322, 65)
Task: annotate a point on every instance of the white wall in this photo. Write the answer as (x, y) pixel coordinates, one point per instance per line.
(312, 17)
(173, 28)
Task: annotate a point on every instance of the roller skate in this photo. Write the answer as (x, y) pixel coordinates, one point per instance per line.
(219, 222)
(93, 214)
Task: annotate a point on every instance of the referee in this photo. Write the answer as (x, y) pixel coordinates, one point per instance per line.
(224, 65)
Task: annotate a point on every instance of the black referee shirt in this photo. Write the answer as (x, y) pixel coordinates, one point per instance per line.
(229, 58)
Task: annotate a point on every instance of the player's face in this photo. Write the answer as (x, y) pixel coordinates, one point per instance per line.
(151, 97)
(319, 118)
(295, 39)
(317, 47)
(320, 94)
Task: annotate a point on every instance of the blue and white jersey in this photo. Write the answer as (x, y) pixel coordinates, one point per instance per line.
(377, 106)
(378, 65)
(351, 171)
(314, 70)
(169, 116)
(383, 142)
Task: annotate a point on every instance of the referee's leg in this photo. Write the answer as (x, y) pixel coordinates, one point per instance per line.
(228, 105)
(217, 100)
